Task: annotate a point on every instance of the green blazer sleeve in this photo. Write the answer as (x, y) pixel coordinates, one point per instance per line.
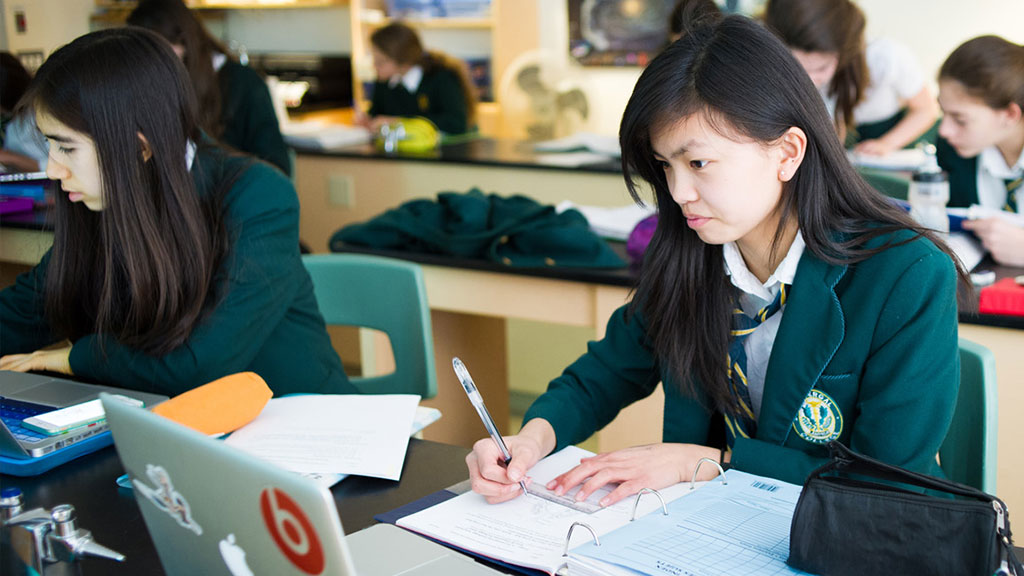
(23, 325)
(441, 101)
(264, 319)
(899, 364)
(250, 124)
(615, 372)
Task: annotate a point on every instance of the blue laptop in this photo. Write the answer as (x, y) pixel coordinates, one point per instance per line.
(26, 452)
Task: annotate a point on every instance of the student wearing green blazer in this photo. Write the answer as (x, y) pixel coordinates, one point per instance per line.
(779, 291)
(235, 106)
(412, 81)
(174, 261)
(981, 145)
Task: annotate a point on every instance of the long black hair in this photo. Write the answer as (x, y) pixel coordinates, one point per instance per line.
(744, 81)
(141, 269)
(179, 25)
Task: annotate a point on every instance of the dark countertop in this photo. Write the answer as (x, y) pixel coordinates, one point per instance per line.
(475, 151)
(626, 277)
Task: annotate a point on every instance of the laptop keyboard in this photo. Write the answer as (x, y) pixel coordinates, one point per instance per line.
(12, 412)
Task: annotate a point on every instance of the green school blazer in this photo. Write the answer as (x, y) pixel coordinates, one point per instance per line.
(962, 172)
(250, 123)
(866, 354)
(438, 98)
(264, 318)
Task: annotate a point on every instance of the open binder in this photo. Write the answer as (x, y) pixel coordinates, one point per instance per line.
(737, 526)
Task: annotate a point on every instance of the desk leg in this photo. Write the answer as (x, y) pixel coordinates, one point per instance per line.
(480, 341)
(1007, 345)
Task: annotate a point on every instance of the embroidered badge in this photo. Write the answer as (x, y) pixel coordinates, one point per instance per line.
(819, 420)
(424, 102)
(168, 500)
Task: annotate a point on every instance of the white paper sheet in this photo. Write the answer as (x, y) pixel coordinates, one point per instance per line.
(526, 531)
(333, 433)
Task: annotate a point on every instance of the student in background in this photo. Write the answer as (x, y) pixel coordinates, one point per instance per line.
(686, 13)
(174, 261)
(981, 138)
(760, 210)
(412, 81)
(234, 102)
(875, 92)
(19, 150)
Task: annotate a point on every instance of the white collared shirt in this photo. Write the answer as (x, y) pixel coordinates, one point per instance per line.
(411, 79)
(992, 175)
(753, 296)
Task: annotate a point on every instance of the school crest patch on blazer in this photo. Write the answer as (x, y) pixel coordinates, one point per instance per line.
(818, 420)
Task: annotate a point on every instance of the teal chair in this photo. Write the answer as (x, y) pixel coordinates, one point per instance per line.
(968, 454)
(387, 295)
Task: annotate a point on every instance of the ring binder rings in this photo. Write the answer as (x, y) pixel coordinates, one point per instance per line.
(721, 472)
(636, 502)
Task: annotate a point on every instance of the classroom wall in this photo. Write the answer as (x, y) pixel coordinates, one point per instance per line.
(321, 30)
(49, 23)
(930, 28)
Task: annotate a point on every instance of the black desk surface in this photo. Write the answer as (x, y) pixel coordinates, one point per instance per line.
(475, 151)
(113, 516)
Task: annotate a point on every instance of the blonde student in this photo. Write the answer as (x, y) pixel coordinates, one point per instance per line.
(981, 138)
(779, 290)
(413, 81)
(874, 90)
(174, 261)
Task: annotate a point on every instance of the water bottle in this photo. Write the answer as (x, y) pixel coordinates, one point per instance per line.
(929, 193)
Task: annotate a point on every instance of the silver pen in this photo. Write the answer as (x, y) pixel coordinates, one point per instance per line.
(478, 403)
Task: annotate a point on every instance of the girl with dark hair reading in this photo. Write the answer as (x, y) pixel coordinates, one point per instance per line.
(874, 90)
(779, 291)
(981, 144)
(413, 81)
(174, 262)
(235, 106)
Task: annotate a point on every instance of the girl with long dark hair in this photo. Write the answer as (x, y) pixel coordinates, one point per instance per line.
(779, 291)
(174, 262)
(235, 106)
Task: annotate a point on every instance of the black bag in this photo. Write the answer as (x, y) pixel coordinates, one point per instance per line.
(847, 524)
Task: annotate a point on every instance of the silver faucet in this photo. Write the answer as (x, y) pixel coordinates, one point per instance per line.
(48, 541)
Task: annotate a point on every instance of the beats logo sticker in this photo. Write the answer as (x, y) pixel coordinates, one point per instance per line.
(292, 531)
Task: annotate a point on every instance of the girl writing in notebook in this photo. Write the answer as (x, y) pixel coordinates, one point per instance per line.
(875, 91)
(174, 262)
(779, 290)
(981, 144)
(413, 81)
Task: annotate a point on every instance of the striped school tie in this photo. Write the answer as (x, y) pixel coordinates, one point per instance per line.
(1012, 188)
(743, 424)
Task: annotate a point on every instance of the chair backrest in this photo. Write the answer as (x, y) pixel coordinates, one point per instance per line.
(968, 454)
(387, 295)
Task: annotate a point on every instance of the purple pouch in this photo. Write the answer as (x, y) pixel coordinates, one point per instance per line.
(640, 237)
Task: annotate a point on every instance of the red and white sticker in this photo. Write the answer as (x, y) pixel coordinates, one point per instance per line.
(292, 531)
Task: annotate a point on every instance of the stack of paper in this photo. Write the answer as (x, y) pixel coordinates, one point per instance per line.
(323, 135)
(598, 143)
(908, 159)
(613, 223)
(331, 434)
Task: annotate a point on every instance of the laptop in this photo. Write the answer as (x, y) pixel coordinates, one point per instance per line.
(24, 452)
(212, 509)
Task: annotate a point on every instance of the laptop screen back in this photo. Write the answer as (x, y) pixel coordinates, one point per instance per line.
(212, 509)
